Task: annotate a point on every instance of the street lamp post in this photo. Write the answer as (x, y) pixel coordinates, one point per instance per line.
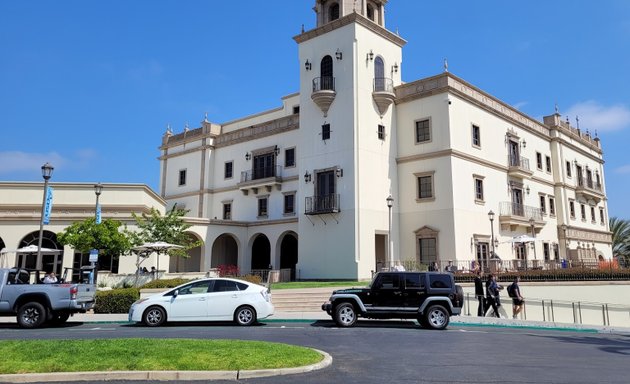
(491, 217)
(531, 223)
(98, 188)
(566, 242)
(390, 256)
(47, 171)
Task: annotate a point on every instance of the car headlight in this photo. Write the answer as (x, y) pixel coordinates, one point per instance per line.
(140, 301)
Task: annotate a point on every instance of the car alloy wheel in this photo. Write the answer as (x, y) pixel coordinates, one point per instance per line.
(154, 316)
(437, 317)
(345, 315)
(31, 315)
(245, 315)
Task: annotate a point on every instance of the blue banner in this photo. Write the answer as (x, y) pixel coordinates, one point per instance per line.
(98, 213)
(47, 205)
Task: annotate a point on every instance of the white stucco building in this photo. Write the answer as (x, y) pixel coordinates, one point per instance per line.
(304, 186)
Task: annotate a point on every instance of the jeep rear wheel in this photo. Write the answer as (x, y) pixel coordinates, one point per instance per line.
(436, 317)
(345, 315)
(31, 315)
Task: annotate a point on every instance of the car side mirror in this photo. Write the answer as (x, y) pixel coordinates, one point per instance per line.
(176, 293)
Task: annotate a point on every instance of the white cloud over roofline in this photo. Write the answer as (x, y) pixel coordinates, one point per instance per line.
(597, 117)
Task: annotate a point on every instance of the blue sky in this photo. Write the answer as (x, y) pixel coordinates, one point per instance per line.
(90, 86)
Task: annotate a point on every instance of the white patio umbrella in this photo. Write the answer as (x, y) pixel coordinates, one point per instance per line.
(521, 239)
(29, 250)
(157, 247)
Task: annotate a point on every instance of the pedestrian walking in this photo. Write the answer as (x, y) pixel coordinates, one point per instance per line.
(492, 294)
(514, 291)
(479, 293)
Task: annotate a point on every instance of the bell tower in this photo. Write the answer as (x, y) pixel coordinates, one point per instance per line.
(349, 67)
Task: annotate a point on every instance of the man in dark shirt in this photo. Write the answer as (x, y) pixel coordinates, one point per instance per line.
(479, 294)
(492, 293)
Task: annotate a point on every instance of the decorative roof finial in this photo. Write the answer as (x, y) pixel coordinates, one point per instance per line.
(205, 117)
(445, 64)
(169, 131)
(186, 129)
(556, 108)
(577, 122)
(302, 28)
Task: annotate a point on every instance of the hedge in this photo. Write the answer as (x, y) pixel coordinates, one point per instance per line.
(165, 283)
(568, 274)
(115, 300)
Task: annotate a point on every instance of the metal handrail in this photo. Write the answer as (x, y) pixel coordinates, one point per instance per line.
(519, 162)
(321, 204)
(383, 84)
(261, 173)
(324, 83)
(507, 208)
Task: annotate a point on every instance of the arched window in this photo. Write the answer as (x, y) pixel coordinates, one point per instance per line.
(333, 12)
(326, 74)
(379, 74)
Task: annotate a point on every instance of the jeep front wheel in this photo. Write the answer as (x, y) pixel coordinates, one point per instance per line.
(345, 315)
(436, 317)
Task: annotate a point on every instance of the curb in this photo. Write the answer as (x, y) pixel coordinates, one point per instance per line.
(164, 375)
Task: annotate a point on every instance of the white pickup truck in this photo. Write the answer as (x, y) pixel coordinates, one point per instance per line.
(23, 294)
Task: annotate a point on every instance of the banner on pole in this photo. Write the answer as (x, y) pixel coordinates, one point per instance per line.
(98, 213)
(48, 205)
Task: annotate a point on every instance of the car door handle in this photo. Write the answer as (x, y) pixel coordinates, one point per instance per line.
(202, 299)
(234, 296)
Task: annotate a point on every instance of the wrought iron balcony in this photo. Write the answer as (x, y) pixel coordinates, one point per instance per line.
(383, 93)
(589, 189)
(518, 215)
(324, 92)
(261, 177)
(518, 166)
(317, 205)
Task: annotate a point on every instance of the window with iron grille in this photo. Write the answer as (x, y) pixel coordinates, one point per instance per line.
(262, 207)
(289, 157)
(425, 187)
(227, 211)
(381, 132)
(478, 189)
(476, 136)
(229, 167)
(325, 131)
(182, 177)
(423, 131)
(289, 204)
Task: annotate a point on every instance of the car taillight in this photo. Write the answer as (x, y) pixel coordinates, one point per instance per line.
(73, 292)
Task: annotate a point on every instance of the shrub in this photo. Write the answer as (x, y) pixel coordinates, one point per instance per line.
(228, 270)
(251, 278)
(165, 283)
(115, 300)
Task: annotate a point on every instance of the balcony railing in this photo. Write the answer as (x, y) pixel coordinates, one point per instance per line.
(316, 205)
(326, 83)
(383, 84)
(519, 210)
(261, 173)
(518, 162)
(585, 183)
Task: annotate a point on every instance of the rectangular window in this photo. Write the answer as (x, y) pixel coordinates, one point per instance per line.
(296, 109)
(227, 211)
(568, 168)
(289, 204)
(556, 252)
(583, 212)
(478, 189)
(476, 136)
(325, 131)
(425, 187)
(539, 160)
(228, 171)
(182, 177)
(423, 131)
(543, 204)
(601, 216)
(572, 209)
(546, 252)
(593, 218)
(262, 207)
(552, 206)
(289, 157)
(428, 250)
(381, 132)
(548, 163)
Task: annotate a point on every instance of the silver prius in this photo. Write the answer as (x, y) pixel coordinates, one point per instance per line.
(213, 299)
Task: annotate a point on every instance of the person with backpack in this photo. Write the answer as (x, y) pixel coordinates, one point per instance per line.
(481, 309)
(514, 291)
(492, 294)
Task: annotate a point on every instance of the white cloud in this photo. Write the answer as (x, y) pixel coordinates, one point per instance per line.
(520, 104)
(595, 116)
(18, 161)
(625, 169)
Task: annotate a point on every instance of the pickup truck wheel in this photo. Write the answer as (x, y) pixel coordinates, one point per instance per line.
(345, 315)
(31, 315)
(245, 315)
(436, 317)
(59, 318)
(154, 317)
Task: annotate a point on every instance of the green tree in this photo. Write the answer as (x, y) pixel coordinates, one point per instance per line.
(170, 228)
(620, 237)
(107, 237)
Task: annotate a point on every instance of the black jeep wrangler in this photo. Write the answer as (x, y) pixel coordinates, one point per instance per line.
(429, 297)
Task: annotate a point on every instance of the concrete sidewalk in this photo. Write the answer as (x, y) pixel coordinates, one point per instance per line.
(321, 315)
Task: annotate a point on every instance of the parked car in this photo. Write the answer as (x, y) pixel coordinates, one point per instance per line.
(430, 297)
(23, 294)
(213, 299)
